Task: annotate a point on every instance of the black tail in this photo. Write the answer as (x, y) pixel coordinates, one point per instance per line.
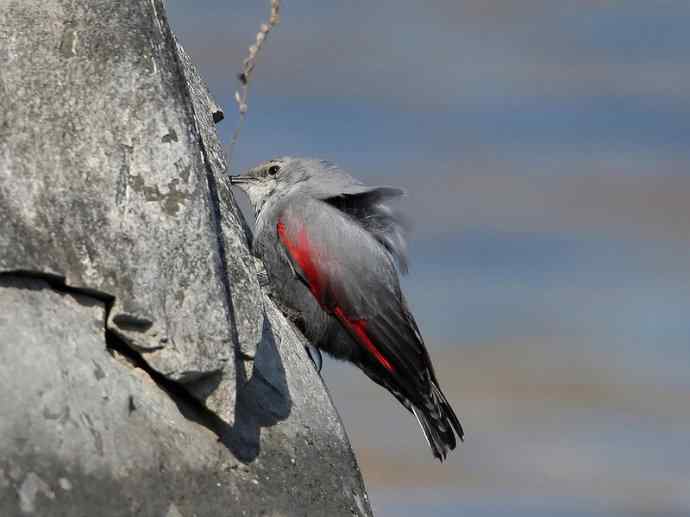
(433, 412)
(439, 423)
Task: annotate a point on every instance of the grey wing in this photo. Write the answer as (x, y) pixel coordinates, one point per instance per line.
(354, 279)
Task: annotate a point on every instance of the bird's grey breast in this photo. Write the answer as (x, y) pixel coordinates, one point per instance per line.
(266, 245)
(284, 283)
(284, 286)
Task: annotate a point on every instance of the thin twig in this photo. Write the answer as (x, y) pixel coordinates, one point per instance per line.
(245, 75)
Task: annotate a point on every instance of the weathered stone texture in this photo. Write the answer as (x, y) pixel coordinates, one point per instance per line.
(85, 431)
(142, 369)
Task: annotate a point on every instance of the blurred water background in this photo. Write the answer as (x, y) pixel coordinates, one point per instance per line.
(545, 147)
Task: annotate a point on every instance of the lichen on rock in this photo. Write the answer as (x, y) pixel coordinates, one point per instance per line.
(142, 368)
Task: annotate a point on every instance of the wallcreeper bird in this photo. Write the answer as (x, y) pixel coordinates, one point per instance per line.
(330, 246)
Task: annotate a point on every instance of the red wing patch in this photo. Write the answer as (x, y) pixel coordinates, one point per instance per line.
(359, 329)
(301, 252)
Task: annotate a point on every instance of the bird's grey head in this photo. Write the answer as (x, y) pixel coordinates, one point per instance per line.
(275, 180)
(285, 176)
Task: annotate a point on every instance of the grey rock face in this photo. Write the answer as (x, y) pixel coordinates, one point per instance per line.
(141, 367)
(87, 431)
(104, 181)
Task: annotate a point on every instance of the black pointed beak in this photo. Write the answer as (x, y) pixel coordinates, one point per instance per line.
(239, 179)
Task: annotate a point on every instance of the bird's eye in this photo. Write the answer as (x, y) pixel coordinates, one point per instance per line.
(273, 170)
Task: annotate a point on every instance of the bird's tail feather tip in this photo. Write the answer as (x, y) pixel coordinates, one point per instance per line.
(440, 432)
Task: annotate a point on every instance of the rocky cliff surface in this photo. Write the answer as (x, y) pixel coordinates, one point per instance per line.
(142, 369)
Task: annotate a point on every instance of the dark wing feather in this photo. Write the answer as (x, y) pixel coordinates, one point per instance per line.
(368, 206)
(353, 278)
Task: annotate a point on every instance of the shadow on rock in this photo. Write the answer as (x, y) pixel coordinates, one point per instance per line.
(261, 402)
